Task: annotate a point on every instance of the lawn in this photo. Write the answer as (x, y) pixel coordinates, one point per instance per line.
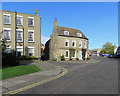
(10, 72)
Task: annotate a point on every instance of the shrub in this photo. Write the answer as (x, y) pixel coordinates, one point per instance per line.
(70, 59)
(88, 58)
(28, 58)
(77, 59)
(9, 59)
(62, 58)
(53, 59)
(83, 58)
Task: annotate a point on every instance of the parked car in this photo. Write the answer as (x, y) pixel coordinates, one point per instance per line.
(114, 56)
(106, 55)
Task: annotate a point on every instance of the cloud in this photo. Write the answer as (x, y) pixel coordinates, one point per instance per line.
(44, 39)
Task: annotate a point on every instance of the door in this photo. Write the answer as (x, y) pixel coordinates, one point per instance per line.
(80, 55)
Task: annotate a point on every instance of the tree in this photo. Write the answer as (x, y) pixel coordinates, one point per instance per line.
(108, 48)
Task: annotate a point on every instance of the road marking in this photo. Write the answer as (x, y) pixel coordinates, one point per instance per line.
(39, 83)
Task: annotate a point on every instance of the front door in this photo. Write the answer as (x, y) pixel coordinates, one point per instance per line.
(80, 55)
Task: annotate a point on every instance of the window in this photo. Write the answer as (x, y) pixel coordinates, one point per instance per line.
(19, 35)
(66, 33)
(6, 18)
(19, 50)
(66, 43)
(8, 49)
(19, 20)
(79, 34)
(74, 54)
(30, 51)
(30, 35)
(66, 53)
(7, 32)
(85, 44)
(30, 21)
(80, 44)
(73, 43)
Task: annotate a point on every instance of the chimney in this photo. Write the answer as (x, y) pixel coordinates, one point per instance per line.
(55, 23)
(36, 13)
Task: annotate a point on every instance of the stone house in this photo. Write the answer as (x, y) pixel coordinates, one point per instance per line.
(70, 42)
(21, 32)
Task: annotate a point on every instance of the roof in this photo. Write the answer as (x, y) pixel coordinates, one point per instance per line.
(72, 32)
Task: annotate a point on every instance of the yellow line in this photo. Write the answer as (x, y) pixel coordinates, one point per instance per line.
(39, 83)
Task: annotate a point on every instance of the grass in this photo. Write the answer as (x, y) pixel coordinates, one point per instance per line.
(10, 72)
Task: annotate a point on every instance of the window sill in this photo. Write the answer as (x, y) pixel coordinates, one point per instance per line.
(19, 41)
(7, 24)
(31, 42)
(30, 26)
(8, 40)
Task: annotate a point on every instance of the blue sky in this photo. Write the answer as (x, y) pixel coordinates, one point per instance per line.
(97, 20)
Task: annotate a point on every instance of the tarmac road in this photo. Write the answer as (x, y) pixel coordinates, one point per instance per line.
(91, 78)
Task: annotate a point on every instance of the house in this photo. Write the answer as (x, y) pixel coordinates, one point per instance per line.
(42, 49)
(70, 42)
(21, 32)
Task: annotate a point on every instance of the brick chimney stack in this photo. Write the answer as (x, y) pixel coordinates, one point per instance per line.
(55, 23)
(36, 13)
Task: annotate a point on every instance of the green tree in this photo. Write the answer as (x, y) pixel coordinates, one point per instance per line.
(108, 48)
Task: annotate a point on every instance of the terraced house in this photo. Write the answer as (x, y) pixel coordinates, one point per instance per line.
(21, 32)
(70, 42)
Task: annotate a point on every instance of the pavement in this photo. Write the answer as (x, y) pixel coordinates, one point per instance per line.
(47, 71)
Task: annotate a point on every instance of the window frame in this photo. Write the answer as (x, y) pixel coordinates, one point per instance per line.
(8, 48)
(31, 47)
(75, 55)
(22, 35)
(66, 40)
(9, 18)
(80, 41)
(65, 53)
(10, 33)
(19, 47)
(85, 42)
(72, 43)
(28, 36)
(33, 22)
(21, 20)
(79, 34)
(66, 32)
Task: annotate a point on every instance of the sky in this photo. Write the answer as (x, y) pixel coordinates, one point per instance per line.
(97, 20)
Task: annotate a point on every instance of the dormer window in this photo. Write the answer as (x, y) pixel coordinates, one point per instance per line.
(79, 34)
(66, 32)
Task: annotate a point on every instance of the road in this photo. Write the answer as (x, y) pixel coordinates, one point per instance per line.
(94, 78)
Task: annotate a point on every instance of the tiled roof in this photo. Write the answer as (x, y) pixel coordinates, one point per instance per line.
(72, 32)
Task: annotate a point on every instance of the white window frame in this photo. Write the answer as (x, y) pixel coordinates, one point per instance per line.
(75, 55)
(19, 48)
(10, 32)
(66, 32)
(85, 42)
(10, 18)
(66, 40)
(65, 53)
(79, 34)
(8, 48)
(80, 42)
(21, 20)
(33, 35)
(31, 47)
(22, 35)
(72, 43)
(33, 21)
